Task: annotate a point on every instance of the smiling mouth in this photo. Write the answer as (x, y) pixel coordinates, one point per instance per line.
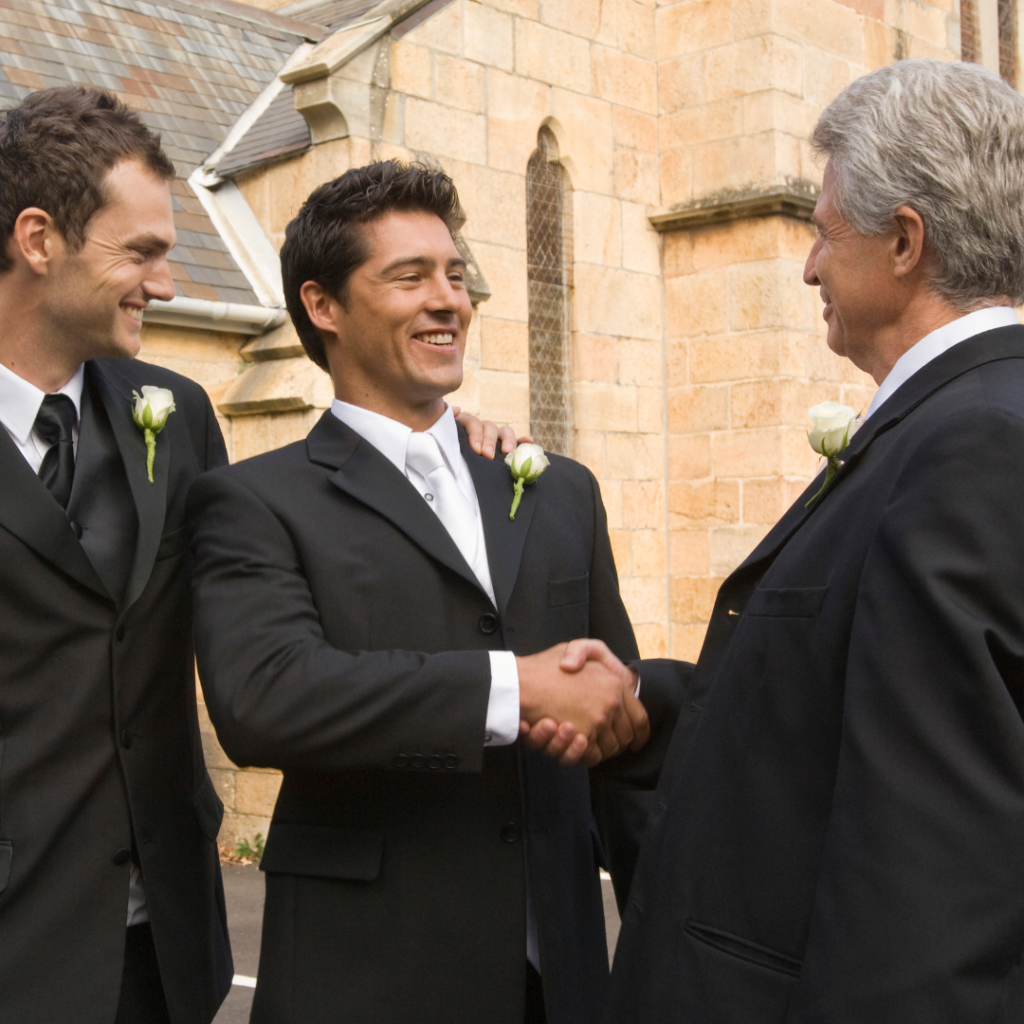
(135, 312)
(441, 339)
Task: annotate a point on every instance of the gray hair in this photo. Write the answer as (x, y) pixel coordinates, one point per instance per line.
(947, 140)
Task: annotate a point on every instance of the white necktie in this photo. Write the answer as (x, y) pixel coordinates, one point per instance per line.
(443, 494)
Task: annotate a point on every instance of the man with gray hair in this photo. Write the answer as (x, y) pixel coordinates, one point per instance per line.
(838, 832)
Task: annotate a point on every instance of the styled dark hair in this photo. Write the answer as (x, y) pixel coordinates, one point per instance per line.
(56, 148)
(325, 242)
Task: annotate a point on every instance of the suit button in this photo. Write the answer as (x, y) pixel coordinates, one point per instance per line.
(76, 528)
(400, 761)
(435, 761)
(451, 762)
(122, 857)
(120, 632)
(510, 832)
(488, 623)
(416, 761)
(126, 739)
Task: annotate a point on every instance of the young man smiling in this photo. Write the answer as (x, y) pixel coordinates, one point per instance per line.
(366, 620)
(111, 904)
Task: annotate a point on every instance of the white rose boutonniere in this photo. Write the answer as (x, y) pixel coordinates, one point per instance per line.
(527, 463)
(834, 425)
(150, 413)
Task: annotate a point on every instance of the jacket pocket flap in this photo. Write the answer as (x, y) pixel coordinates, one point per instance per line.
(6, 855)
(743, 949)
(172, 543)
(573, 591)
(208, 809)
(801, 602)
(319, 851)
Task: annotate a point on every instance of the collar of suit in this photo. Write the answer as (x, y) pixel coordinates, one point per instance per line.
(28, 510)
(359, 470)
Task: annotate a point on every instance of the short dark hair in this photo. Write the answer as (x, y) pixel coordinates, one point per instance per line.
(56, 148)
(325, 242)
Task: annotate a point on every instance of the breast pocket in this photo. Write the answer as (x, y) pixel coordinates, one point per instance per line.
(790, 603)
(172, 543)
(570, 591)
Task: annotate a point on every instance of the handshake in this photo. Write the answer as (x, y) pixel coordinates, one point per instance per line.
(577, 702)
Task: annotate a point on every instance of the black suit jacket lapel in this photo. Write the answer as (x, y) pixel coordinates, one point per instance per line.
(150, 498)
(28, 510)
(505, 537)
(992, 346)
(363, 473)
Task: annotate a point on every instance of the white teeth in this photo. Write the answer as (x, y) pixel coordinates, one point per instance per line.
(436, 339)
(134, 312)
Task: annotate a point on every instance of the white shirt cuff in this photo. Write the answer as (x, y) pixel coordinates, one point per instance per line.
(502, 727)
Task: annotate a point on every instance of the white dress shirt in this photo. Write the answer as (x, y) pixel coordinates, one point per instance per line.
(391, 439)
(933, 345)
(20, 402)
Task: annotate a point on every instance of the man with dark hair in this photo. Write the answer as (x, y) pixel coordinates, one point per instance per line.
(111, 904)
(366, 617)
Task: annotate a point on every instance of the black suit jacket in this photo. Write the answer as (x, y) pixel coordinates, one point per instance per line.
(838, 835)
(100, 753)
(342, 637)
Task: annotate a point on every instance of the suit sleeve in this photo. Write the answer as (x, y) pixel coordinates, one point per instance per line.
(622, 788)
(278, 693)
(927, 825)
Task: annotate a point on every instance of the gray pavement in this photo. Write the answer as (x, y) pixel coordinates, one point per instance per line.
(243, 889)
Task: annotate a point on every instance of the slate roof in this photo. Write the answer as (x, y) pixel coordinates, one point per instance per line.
(190, 68)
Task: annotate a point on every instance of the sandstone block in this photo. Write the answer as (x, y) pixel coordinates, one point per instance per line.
(601, 406)
(553, 56)
(746, 241)
(677, 177)
(681, 82)
(799, 460)
(441, 31)
(460, 83)
(687, 641)
(650, 555)
(410, 69)
(692, 598)
(711, 503)
(444, 131)
(621, 541)
(611, 301)
(697, 408)
(636, 456)
(749, 453)
(747, 162)
(736, 357)
(821, 23)
(589, 448)
(869, 8)
(597, 229)
(689, 553)
(751, 18)
(505, 345)
(505, 271)
(652, 640)
(640, 362)
(731, 545)
(224, 784)
(516, 108)
(637, 176)
(697, 304)
(753, 65)
(628, 25)
(487, 36)
(779, 111)
(691, 126)
(764, 501)
(505, 398)
(636, 129)
(583, 127)
(691, 26)
(525, 8)
(624, 79)
(689, 457)
(581, 17)
(494, 202)
(676, 362)
(393, 131)
(650, 410)
(611, 496)
(677, 253)
(643, 504)
(826, 75)
(644, 598)
(256, 792)
(595, 357)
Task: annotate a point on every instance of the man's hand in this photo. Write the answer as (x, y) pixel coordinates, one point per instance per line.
(586, 689)
(483, 434)
(562, 740)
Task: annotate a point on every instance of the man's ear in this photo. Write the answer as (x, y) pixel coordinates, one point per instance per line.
(35, 240)
(908, 242)
(321, 306)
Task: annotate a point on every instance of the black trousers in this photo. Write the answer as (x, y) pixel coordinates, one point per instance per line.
(142, 993)
(534, 1012)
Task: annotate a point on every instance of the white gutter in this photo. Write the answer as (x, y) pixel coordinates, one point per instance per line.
(204, 315)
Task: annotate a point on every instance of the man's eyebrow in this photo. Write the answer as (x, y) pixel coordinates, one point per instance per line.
(409, 261)
(149, 242)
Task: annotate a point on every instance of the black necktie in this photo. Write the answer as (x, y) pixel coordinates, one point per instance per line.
(54, 423)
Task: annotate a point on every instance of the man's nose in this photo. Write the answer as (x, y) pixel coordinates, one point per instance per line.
(158, 283)
(810, 267)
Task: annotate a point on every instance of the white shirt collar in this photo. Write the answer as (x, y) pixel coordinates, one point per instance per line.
(20, 401)
(933, 345)
(391, 438)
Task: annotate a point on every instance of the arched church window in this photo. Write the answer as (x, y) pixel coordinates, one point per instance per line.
(549, 276)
